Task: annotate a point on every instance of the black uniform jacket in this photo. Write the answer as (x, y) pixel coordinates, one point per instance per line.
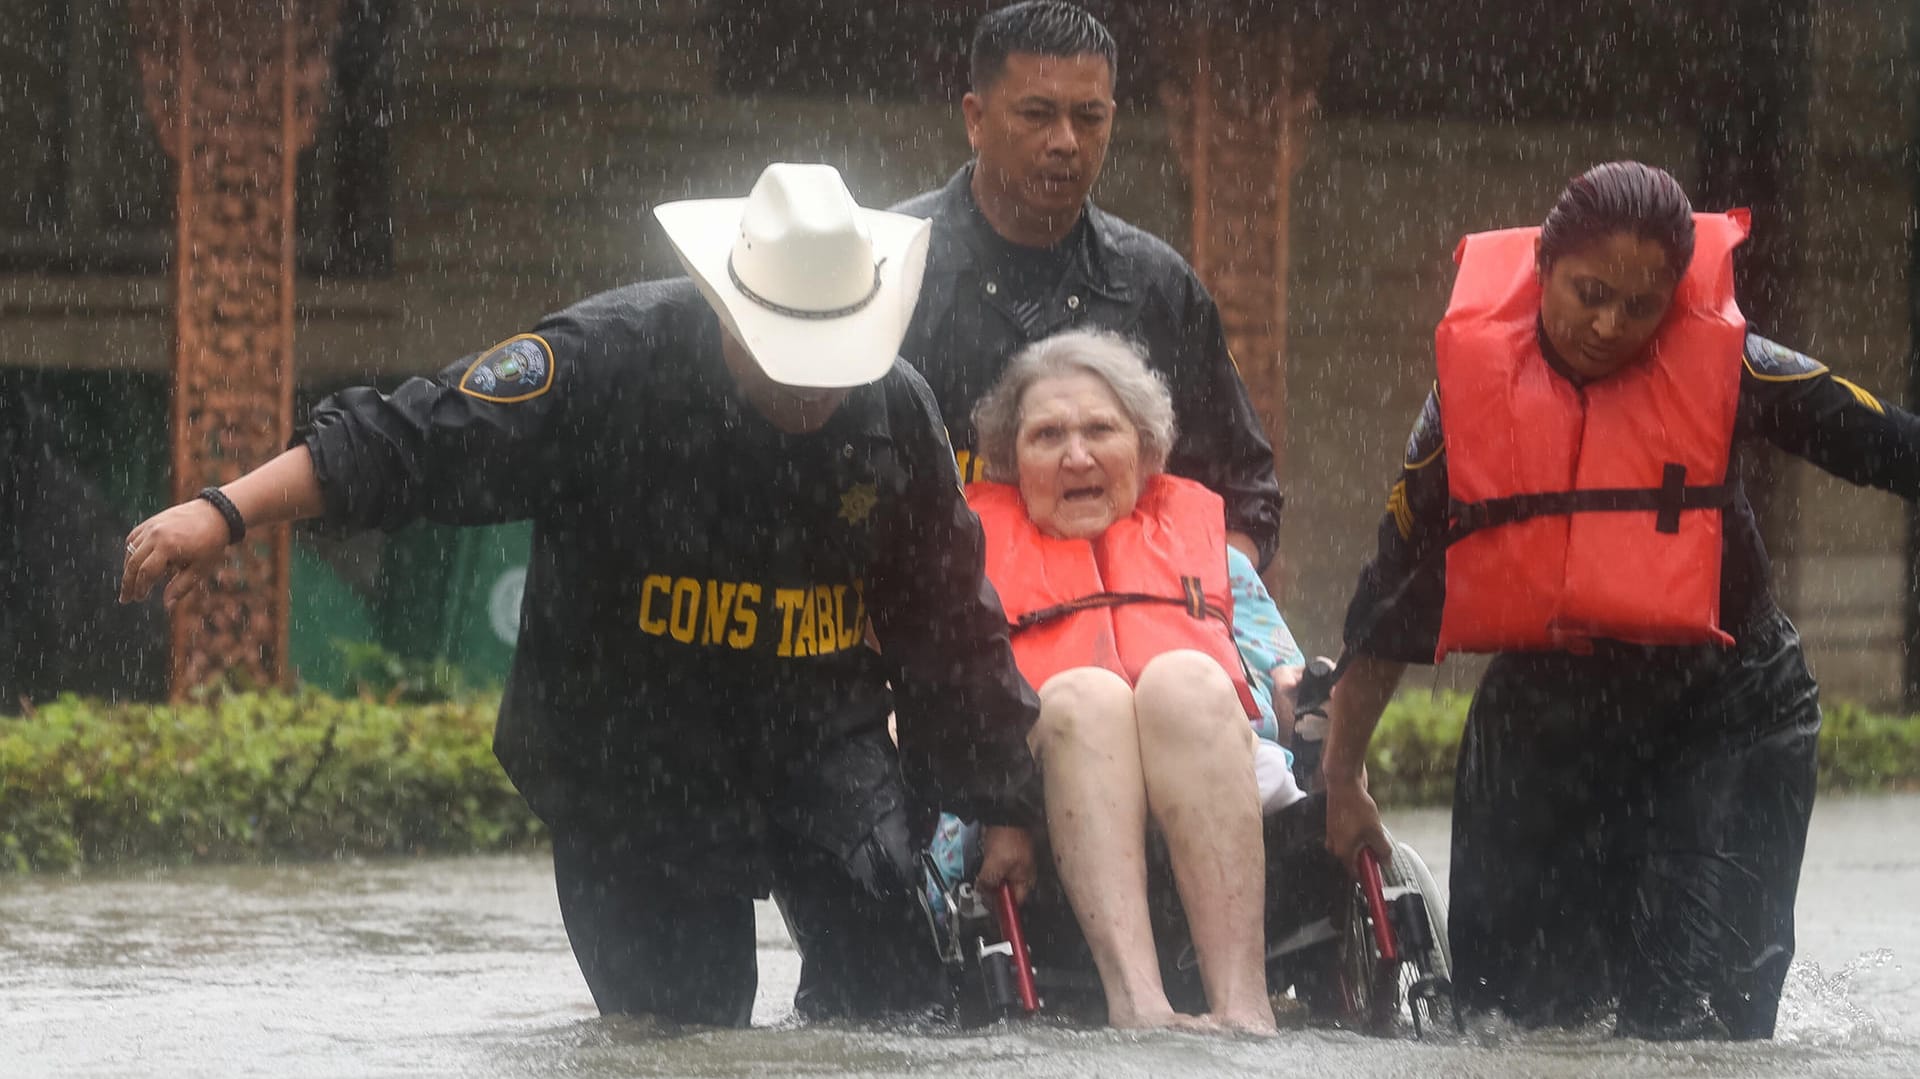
(1120, 279)
(1786, 398)
(692, 655)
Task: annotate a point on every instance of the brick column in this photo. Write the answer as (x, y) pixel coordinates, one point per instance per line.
(1238, 94)
(233, 87)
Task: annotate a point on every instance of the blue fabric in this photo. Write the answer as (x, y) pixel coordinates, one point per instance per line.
(954, 847)
(1262, 635)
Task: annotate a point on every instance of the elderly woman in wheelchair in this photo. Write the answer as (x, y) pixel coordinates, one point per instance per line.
(1125, 600)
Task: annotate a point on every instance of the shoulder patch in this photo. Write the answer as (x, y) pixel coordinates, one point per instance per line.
(1427, 440)
(517, 369)
(1771, 362)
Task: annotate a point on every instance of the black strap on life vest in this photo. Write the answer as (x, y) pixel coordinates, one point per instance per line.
(1668, 501)
(1192, 598)
(1465, 518)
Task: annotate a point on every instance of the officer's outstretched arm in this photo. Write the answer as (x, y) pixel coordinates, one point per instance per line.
(1805, 409)
(183, 545)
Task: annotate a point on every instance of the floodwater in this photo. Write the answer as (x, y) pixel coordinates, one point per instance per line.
(460, 968)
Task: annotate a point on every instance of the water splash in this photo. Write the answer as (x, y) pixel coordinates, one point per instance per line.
(1821, 1009)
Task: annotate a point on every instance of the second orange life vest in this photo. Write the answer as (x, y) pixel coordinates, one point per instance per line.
(1592, 511)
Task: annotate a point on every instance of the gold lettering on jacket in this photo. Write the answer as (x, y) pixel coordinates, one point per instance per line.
(818, 621)
(973, 468)
(815, 620)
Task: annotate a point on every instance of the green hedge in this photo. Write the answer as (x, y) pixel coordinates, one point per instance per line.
(252, 775)
(1868, 751)
(249, 775)
(1411, 759)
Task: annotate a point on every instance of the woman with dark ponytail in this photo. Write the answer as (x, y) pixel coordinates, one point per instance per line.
(1637, 770)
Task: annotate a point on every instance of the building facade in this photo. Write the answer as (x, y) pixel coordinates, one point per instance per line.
(478, 164)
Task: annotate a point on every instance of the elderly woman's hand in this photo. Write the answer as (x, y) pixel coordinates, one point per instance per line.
(1007, 858)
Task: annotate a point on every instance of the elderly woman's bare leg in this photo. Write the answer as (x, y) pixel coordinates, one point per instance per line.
(1198, 767)
(1089, 754)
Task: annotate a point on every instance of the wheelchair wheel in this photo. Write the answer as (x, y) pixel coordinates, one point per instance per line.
(1348, 984)
(1410, 867)
(1343, 982)
(1428, 1010)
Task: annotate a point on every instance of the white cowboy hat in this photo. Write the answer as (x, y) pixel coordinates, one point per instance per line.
(818, 289)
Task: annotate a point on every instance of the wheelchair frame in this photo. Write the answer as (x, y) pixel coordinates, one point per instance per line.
(1366, 955)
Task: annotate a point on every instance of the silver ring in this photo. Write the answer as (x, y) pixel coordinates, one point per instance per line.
(129, 547)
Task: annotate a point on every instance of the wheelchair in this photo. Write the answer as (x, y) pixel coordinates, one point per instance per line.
(1369, 955)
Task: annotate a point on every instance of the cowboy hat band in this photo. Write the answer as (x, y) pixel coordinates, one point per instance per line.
(796, 312)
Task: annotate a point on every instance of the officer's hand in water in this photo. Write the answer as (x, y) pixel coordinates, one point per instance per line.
(1353, 821)
(1007, 858)
(182, 546)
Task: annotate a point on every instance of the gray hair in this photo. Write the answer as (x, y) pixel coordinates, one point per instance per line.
(1121, 364)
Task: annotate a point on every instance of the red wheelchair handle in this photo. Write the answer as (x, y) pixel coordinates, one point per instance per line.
(1009, 917)
(1377, 905)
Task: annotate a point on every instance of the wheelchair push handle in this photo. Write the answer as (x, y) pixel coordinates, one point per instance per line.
(1008, 914)
(1310, 720)
(1316, 687)
(1370, 884)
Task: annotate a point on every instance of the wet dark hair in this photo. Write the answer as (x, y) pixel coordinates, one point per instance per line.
(1039, 27)
(1620, 196)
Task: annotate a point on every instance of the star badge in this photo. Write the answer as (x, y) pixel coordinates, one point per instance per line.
(857, 503)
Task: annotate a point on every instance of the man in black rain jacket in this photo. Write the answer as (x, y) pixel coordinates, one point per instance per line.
(1019, 253)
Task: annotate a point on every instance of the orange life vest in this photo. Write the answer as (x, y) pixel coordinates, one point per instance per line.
(1585, 512)
(1154, 581)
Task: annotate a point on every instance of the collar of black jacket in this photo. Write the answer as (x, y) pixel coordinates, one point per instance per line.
(1100, 261)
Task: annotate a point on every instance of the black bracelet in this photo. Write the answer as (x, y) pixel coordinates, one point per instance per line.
(236, 524)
